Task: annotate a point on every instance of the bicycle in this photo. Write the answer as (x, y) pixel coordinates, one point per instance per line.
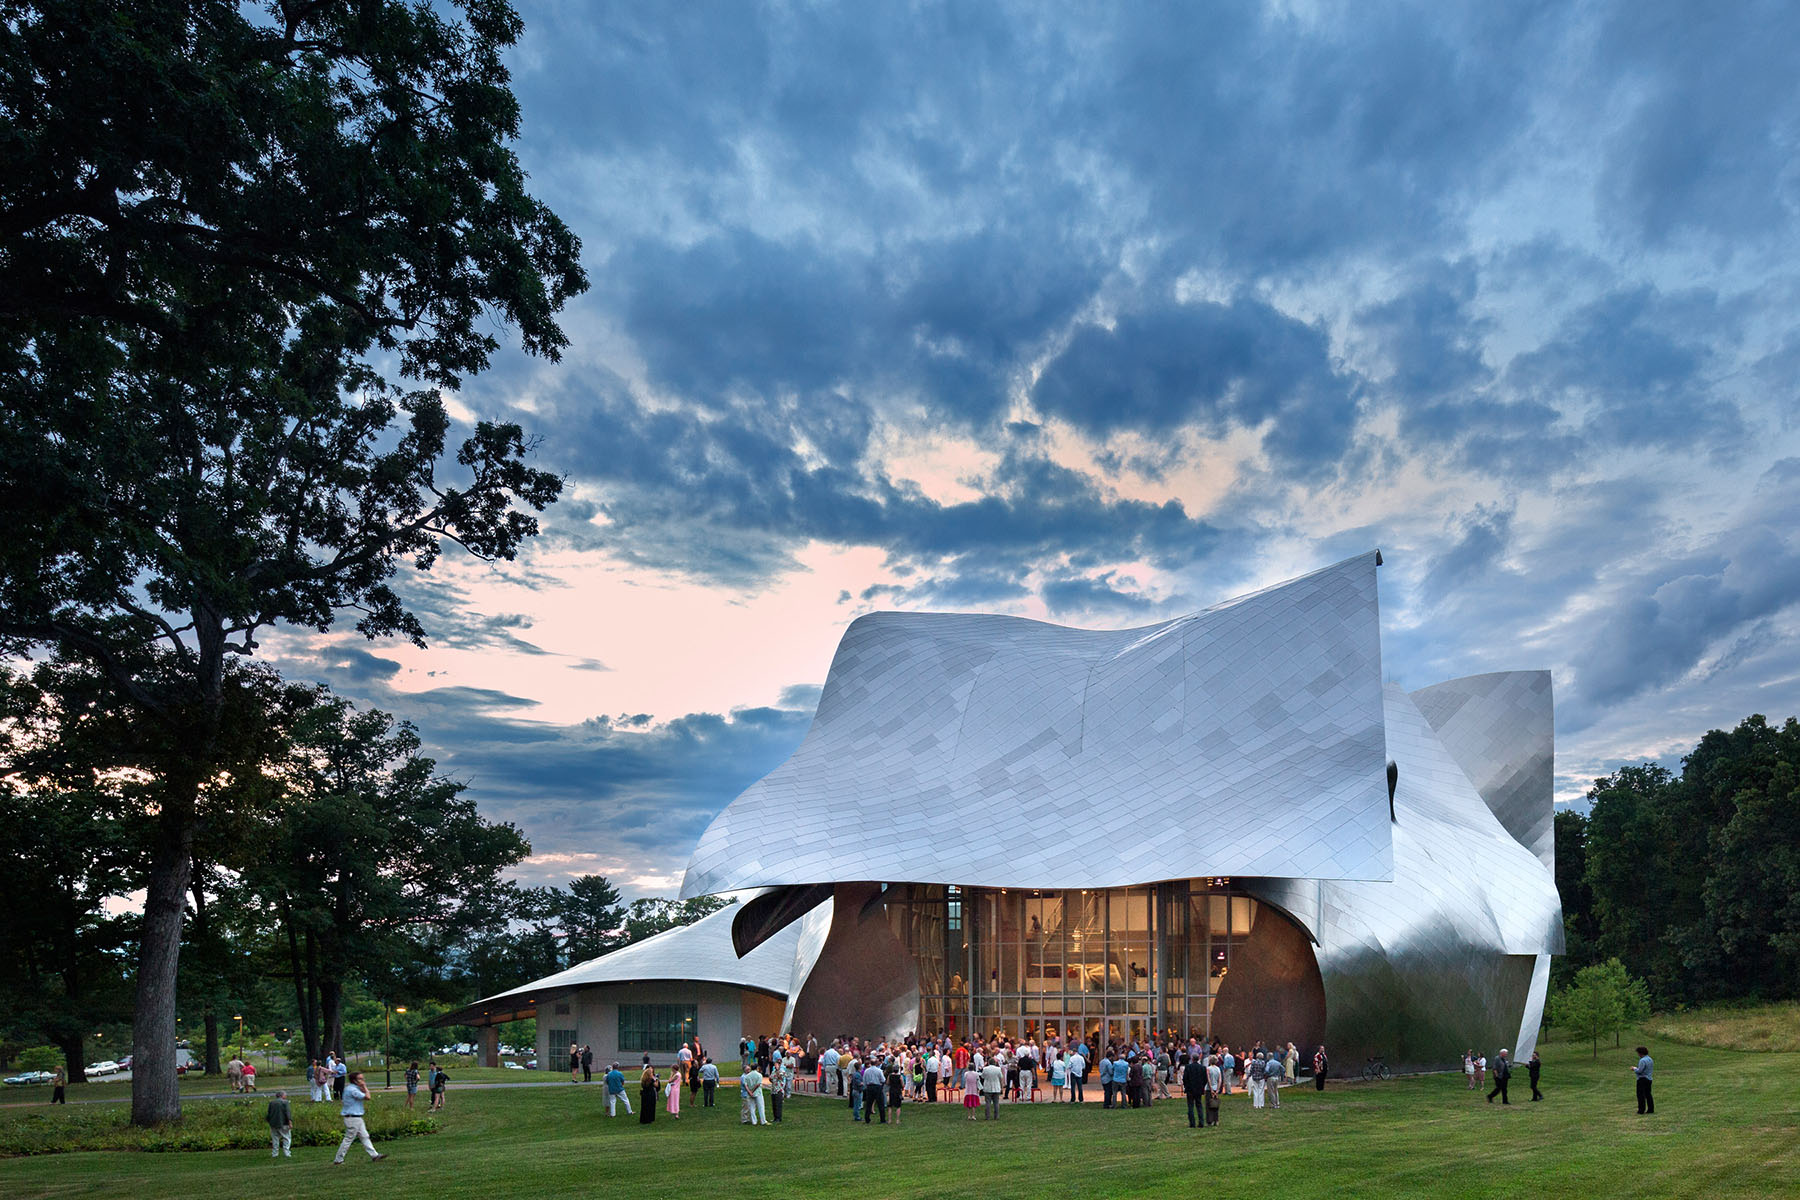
(1376, 1068)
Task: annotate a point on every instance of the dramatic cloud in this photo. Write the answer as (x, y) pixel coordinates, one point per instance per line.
(1101, 313)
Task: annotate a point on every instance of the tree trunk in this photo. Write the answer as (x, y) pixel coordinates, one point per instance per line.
(70, 1044)
(155, 1097)
(301, 990)
(213, 1066)
(200, 937)
(314, 1005)
(331, 1009)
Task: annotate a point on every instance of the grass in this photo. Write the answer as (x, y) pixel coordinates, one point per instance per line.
(1760, 1028)
(1727, 1128)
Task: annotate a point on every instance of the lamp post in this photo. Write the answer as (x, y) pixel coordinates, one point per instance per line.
(239, 1018)
(387, 1039)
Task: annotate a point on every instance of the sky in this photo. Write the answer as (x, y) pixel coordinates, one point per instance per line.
(1101, 314)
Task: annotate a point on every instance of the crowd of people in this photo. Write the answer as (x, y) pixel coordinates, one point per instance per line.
(876, 1080)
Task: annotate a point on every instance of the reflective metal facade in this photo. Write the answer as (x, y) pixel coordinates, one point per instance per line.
(1250, 741)
(1262, 716)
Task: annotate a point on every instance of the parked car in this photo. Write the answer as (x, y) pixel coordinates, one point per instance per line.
(30, 1077)
(513, 1066)
(104, 1067)
(532, 1065)
(125, 1063)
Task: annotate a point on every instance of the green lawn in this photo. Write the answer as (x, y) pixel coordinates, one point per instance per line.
(1727, 1128)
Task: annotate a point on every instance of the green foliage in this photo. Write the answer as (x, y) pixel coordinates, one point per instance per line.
(236, 1124)
(1693, 881)
(1602, 1000)
(375, 861)
(653, 915)
(224, 226)
(40, 1058)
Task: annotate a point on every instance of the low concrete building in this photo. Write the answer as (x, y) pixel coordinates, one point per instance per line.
(649, 998)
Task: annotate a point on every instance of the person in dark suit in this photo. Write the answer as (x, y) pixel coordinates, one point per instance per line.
(1193, 1082)
(1531, 1069)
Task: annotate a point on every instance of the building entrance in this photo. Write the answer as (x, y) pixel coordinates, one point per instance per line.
(1191, 958)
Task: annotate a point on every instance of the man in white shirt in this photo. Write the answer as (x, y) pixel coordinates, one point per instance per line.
(931, 1076)
(1075, 1068)
(354, 1096)
(828, 1064)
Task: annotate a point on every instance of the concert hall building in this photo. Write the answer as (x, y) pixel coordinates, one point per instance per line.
(1224, 824)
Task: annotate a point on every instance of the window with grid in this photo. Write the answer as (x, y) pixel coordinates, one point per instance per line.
(656, 1028)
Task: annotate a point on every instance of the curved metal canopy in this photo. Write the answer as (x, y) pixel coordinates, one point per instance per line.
(978, 750)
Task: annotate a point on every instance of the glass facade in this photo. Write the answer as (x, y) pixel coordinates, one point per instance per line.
(1118, 962)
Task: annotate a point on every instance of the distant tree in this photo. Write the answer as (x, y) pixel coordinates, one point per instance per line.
(373, 862)
(1752, 891)
(1577, 898)
(517, 939)
(1603, 1000)
(653, 915)
(69, 820)
(593, 921)
(224, 226)
(1634, 860)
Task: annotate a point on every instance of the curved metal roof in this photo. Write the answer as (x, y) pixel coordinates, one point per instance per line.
(701, 951)
(1246, 739)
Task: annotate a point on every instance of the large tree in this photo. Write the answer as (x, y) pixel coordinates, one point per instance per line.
(228, 237)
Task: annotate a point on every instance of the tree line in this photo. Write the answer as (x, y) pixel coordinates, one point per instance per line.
(332, 865)
(1691, 881)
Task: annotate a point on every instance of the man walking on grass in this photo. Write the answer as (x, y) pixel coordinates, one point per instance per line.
(281, 1127)
(355, 1094)
(1502, 1073)
(615, 1091)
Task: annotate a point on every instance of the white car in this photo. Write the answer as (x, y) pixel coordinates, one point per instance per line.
(513, 1066)
(106, 1067)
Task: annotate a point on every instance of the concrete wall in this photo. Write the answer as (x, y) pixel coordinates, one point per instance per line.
(725, 1014)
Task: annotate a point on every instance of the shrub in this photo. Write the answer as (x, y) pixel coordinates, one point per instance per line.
(235, 1124)
(41, 1058)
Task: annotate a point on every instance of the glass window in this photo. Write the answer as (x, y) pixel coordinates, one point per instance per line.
(656, 1028)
